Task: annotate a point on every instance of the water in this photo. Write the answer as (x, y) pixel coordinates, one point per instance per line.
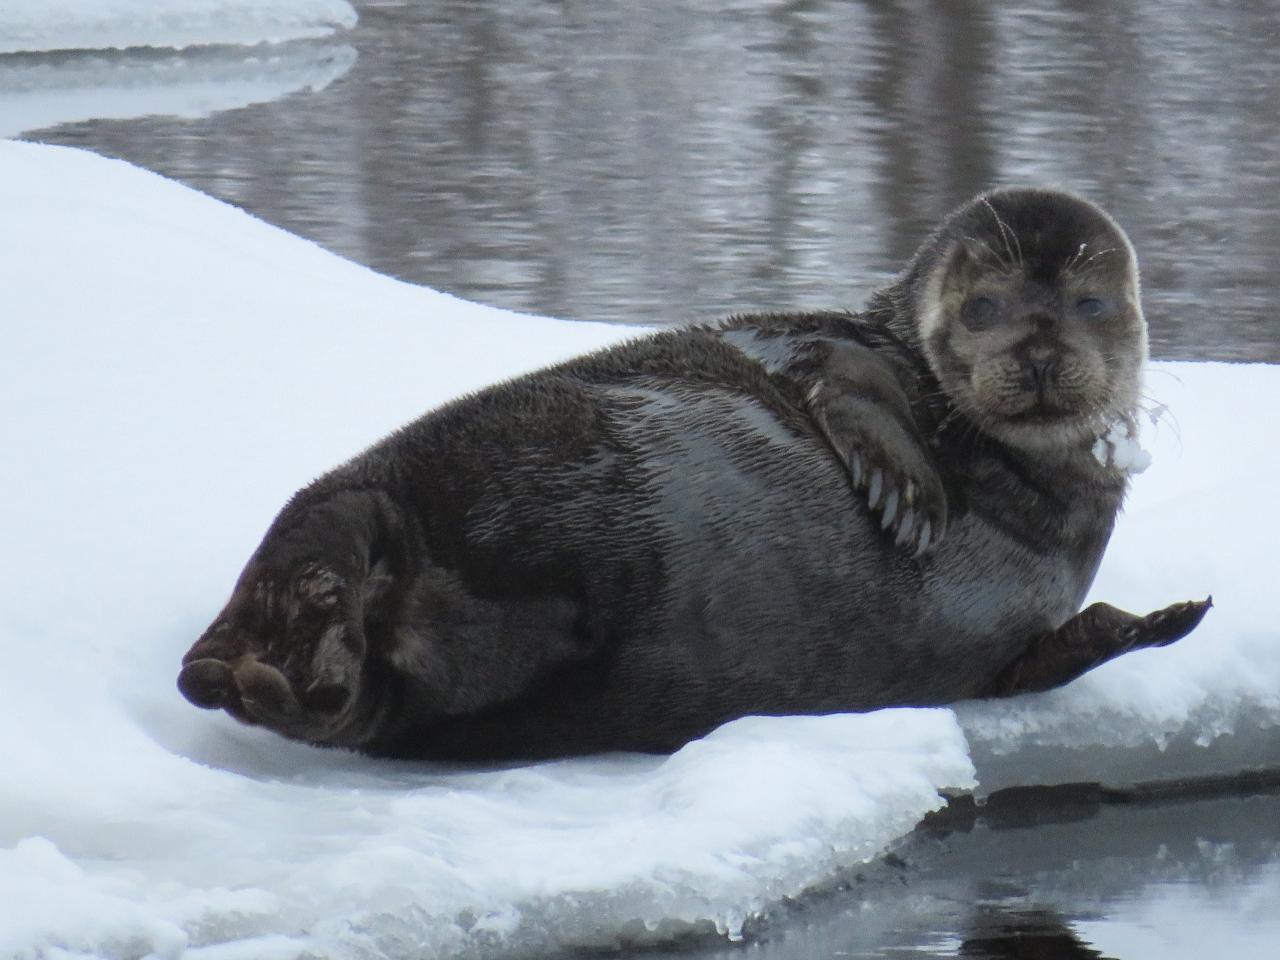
(660, 162)
(1044, 877)
(653, 162)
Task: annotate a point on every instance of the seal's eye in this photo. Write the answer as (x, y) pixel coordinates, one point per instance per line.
(977, 313)
(1092, 308)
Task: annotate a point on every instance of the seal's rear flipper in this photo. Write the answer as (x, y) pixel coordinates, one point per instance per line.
(1092, 637)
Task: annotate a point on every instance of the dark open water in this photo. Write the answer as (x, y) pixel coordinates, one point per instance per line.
(648, 161)
(653, 161)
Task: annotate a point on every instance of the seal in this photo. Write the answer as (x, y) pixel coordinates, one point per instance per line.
(780, 513)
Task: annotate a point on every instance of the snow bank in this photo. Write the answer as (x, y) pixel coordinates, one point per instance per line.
(140, 851)
(40, 91)
(173, 369)
(36, 25)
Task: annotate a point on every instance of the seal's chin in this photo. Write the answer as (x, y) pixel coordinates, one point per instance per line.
(1044, 426)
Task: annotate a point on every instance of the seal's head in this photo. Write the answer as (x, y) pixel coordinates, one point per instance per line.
(1025, 304)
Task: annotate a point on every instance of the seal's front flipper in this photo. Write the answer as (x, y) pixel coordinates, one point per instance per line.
(1165, 626)
(855, 397)
(888, 462)
(1093, 636)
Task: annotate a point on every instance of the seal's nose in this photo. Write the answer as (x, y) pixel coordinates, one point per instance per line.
(1042, 372)
(1038, 365)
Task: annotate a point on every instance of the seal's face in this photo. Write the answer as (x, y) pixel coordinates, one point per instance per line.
(1029, 316)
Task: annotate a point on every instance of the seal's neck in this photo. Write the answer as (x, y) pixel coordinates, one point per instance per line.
(893, 308)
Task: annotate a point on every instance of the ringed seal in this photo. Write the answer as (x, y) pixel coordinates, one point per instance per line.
(783, 513)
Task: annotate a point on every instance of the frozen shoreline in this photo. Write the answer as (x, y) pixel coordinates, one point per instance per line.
(44, 90)
(41, 25)
(166, 350)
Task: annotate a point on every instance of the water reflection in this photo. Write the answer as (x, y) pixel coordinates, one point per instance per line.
(1055, 874)
(1002, 934)
(641, 162)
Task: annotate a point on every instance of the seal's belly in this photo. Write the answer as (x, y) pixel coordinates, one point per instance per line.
(781, 594)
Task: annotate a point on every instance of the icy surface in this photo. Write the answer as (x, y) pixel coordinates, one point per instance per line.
(37, 25)
(41, 91)
(173, 369)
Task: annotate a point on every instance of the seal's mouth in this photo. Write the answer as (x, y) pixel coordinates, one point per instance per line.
(1046, 425)
(1030, 405)
(1044, 411)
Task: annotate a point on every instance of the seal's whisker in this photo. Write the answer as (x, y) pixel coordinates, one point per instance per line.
(1083, 269)
(1071, 261)
(999, 262)
(1009, 237)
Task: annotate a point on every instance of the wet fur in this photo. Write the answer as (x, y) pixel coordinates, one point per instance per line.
(628, 549)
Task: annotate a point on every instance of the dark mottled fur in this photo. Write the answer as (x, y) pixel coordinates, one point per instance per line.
(625, 550)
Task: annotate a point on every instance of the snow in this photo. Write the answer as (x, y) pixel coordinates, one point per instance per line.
(43, 91)
(42, 25)
(1121, 448)
(174, 369)
(340, 856)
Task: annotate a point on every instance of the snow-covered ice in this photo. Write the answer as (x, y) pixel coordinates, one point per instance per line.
(112, 59)
(172, 369)
(40, 25)
(42, 91)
